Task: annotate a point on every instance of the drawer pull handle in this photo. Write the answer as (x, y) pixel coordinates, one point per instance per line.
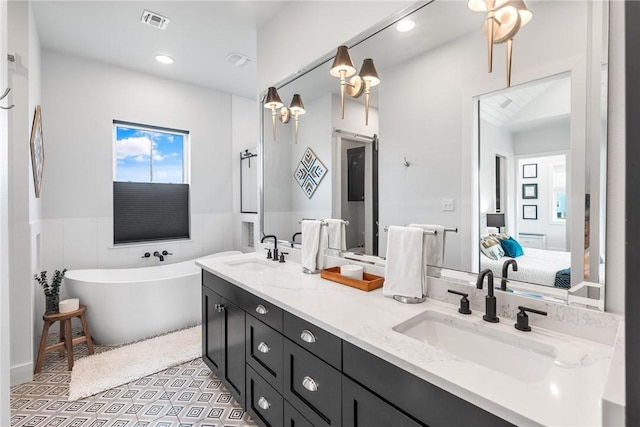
(261, 309)
(264, 403)
(310, 384)
(307, 336)
(263, 348)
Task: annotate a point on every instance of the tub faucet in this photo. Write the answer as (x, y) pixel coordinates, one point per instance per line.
(159, 255)
(275, 245)
(505, 271)
(490, 300)
(293, 238)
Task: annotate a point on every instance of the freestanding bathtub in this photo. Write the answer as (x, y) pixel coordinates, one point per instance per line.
(129, 304)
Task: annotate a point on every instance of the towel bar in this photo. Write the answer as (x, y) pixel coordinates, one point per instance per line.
(448, 229)
(322, 221)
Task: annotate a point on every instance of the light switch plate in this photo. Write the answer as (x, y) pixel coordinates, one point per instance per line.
(448, 205)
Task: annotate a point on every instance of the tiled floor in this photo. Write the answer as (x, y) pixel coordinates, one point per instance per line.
(186, 395)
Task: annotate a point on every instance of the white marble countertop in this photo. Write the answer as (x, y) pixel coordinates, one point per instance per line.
(568, 394)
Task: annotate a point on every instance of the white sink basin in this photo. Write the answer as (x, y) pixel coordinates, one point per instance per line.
(252, 264)
(511, 353)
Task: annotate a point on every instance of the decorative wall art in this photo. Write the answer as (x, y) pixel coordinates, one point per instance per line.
(530, 170)
(529, 211)
(309, 172)
(37, 150)
(529, 191)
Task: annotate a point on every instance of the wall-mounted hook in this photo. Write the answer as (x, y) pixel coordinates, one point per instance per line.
(406, 163)
(3, 96)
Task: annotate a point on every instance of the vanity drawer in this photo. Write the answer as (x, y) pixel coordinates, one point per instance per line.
(263, 311)
(252, 304)
(263, 402)
(293, 418)
(312, 386)
(326, 346)
(425, 402)
(264, 351)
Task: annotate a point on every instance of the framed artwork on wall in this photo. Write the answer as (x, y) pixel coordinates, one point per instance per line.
(529, 191)
(37, 150)
(530, 170)
(529, 211)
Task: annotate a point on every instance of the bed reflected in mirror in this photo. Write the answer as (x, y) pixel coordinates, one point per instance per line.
(525, 162)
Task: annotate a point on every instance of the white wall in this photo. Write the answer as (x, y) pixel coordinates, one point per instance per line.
(24, 214)
(245, 135)
(431, 126)
(81, 98)
(77, 186)
(616, 185)
(5, 294)
(496, 141)
(554, 232)
(304, 31)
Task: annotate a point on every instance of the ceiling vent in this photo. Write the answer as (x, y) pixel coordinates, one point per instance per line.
(154, 20)
(238, 59)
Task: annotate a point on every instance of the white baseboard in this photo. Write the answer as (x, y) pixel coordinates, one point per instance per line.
(21, 373)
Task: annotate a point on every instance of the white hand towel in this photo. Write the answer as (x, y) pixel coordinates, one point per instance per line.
(337, 232)
(404, 271)
(434, 248)
(310, 243)
(324, 244)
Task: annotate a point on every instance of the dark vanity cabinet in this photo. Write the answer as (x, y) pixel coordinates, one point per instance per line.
(286, 371)
(223, 340)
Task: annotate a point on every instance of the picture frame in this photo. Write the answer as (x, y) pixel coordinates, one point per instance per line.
(530, 170)
(529, 191)
(529, 211)
(37, 150)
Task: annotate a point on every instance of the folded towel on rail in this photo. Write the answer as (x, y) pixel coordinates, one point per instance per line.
(310, 244)
(434, 247)
(405, 265)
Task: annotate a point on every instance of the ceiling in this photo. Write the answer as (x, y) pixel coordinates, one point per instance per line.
(199, 36)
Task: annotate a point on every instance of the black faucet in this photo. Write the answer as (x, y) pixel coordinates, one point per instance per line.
(159, 255)
(293, 238)
(505, 271)
(490, 300)
(275, 245)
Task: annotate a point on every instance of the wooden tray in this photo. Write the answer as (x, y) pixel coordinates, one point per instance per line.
(368, 283)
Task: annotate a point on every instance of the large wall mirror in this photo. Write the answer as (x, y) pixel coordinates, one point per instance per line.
(448, 143)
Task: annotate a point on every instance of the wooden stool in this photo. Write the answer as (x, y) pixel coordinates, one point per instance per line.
(66, 340)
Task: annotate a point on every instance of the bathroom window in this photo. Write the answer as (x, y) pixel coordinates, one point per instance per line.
(150, 154)
(150, 184)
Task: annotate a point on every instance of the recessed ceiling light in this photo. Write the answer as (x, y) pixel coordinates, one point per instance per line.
(405, 25)
(164, 59)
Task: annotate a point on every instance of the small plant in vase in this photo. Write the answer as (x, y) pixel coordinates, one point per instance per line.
(51, 290)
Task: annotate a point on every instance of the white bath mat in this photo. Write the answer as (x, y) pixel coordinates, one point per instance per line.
(99, 372)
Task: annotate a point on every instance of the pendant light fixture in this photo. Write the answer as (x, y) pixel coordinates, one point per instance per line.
(504, 20)
(296, 108)
(358, 84)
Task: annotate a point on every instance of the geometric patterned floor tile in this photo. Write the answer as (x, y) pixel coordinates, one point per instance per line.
(181, 396)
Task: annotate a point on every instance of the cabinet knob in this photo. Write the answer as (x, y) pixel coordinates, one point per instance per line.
(307, 336)
(310, 384)
(263, 348)
(264, 403)
(261, 309)
(219, 307)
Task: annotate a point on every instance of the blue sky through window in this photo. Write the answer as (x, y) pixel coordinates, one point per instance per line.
(147, 155)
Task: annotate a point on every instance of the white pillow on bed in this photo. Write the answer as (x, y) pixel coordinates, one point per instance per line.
(491, 247)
